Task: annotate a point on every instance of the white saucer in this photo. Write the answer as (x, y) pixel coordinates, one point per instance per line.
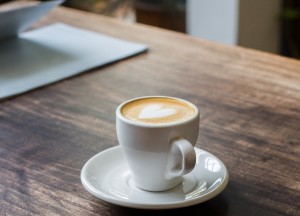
(107, 176)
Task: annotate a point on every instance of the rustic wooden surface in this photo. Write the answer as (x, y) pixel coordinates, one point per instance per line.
(250, 104)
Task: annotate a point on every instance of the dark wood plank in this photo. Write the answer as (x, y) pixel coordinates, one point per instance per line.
(250, 118)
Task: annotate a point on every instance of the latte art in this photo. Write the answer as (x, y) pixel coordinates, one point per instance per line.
(157, 110)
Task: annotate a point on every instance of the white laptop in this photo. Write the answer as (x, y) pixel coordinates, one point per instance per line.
(38, 57)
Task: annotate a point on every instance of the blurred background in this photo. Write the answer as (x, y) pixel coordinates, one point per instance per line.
(268, 25)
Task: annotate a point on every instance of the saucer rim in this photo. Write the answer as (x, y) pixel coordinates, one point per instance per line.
(171, 205)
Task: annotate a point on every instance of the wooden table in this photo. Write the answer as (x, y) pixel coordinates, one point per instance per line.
(250, 103)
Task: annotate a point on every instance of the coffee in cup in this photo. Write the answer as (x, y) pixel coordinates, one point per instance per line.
(157, 110)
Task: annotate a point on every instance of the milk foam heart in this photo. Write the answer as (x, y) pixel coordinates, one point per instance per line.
(156, 111)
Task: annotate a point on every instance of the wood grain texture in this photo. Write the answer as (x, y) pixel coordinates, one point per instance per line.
(250, 119)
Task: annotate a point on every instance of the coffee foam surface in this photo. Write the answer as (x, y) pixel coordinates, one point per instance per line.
(157, 110)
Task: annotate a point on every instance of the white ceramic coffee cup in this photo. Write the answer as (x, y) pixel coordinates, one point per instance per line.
(158, 154)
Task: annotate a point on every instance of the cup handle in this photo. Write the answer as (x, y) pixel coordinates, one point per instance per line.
(182, 158)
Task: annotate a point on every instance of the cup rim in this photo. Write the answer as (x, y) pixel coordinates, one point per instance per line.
(152, 125)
